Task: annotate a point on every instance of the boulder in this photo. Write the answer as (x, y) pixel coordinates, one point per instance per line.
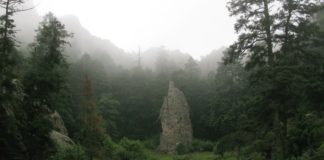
(61, 140)
(175, 121)
(59, 134)
(58, 123)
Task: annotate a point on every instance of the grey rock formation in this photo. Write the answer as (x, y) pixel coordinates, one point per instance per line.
(61, 140)
(59, 134)
(58, 123)
(175, 121)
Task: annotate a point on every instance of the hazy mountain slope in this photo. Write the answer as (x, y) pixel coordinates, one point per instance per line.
(209, 63)
(102, 49)
(82, 42)
(149, 57)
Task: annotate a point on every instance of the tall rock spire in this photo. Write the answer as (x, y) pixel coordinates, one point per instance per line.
(175, 121)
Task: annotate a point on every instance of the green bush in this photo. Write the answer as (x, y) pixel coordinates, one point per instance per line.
(217, 150)
(152, 143)
(305, 156)
(181, 157)
(75, 152)
(320, 151)
(110, 148)
(227, 156)
(257, 156)
(218, 157)
(130, 150)
(125, 150)
(181, 149)
(202, 146)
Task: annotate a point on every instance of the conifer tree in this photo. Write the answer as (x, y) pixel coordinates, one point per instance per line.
(11, 94)
(47, 75)
(109, 109)
(44, 81)
(92, 126)
(272, 35)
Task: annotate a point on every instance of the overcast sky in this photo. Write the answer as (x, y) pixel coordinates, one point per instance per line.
(193, 26)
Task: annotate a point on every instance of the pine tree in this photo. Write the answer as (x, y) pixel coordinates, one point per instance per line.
(274, 35)
(44, 81)
(48, 72)
(92, 126)
(11, 94)
(192, 69)
(109, 108)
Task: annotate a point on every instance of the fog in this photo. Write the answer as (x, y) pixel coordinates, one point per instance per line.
(181, 30)
(195, 27)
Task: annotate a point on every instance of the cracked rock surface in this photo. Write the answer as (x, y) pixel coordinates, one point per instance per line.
(175, 121)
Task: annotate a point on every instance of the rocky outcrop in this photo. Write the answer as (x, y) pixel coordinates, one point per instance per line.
(58, 123)
(59, 134)
(61, 140)
(175, 121)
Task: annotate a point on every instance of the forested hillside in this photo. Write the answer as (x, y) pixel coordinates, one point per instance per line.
(66, 94)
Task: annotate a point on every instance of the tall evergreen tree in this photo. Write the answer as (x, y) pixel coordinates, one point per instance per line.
(92, 124)
(44, 82)
(192, 69)
(109, 108)
(272, 32)
(11, 94)
(48, 71)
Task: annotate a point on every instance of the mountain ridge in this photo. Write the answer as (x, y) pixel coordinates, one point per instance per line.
(83, 42)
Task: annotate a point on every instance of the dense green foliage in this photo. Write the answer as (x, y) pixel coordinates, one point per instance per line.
(281, 80)
(202, 146)
(264, 101)
(44, 82)
(75, 152)
(124, 150)
(11, 90)
(91, 122)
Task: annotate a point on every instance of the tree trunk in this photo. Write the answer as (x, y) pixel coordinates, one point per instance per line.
(278, 148)
(6, 25)
(267, 27)
(286, 44)
(277, 126)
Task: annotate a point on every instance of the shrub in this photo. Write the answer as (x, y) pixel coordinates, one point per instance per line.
(217, 150)
(320, 152)
(305, 156)
(201, 146)
(75, 152)
(181, 157)
(110, 148)
(181, 149)
(257, 156)
(152, 143)
(125, 150)
(130, 150)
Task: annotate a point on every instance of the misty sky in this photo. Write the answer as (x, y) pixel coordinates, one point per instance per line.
(193, 26)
